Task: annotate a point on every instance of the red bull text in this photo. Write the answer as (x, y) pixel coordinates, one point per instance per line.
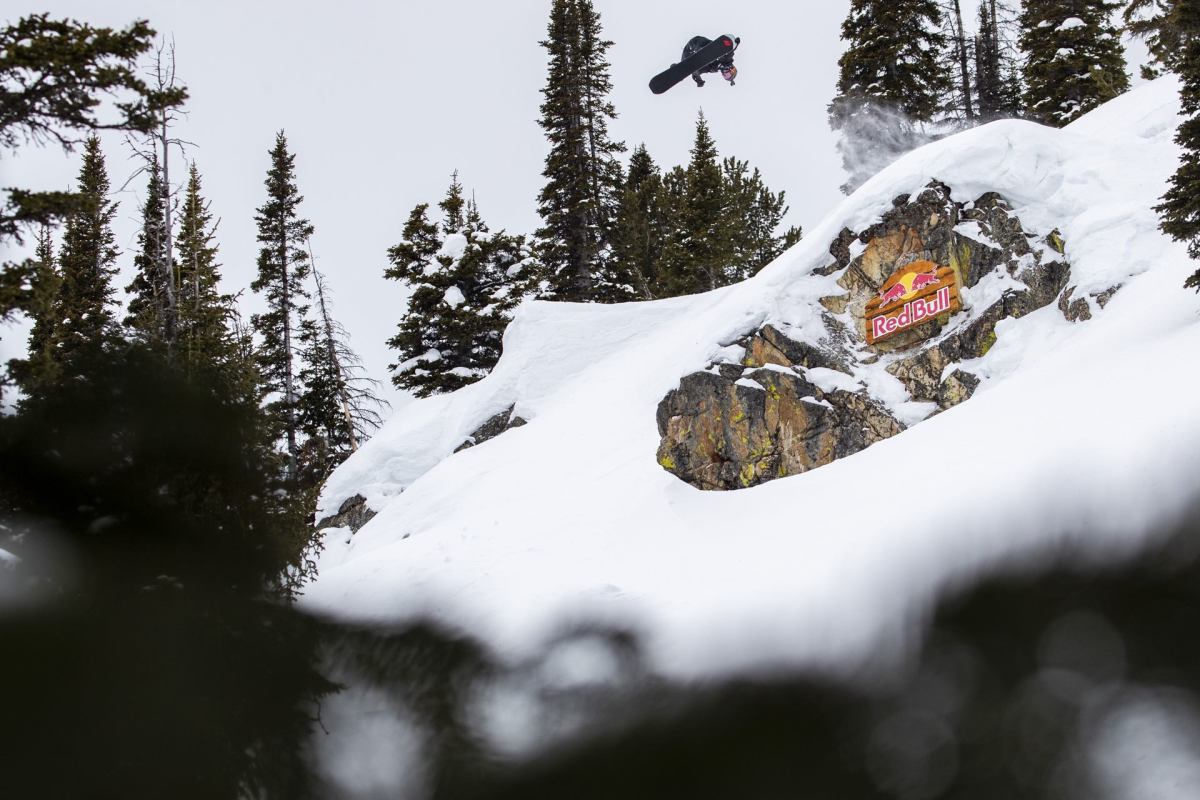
(914, 313)
(912, 295)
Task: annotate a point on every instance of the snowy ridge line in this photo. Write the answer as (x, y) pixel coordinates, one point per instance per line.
(429, 430)
(570, 517)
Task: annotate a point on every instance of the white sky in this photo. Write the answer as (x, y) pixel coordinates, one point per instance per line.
(381, 101)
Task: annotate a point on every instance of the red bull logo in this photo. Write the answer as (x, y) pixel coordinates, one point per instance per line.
(913, 313)
(924, 280)
(892, 295)
(913, 294)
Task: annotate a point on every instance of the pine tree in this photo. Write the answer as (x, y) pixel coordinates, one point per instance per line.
(151, 314)
(1074, 58)
(55, 74)
(282, 270)
(997, 62)
(754, 214)
(465, 282)
(84, 325)
(713, 223)
(989, 82)
(583, 174)
(340, 406)
(243, 376)
(1160, 23)
(40, 368)
(205, 342)
(892, 80)
(1180, 208)
(962, 98)
(696, 254)
(639, 230)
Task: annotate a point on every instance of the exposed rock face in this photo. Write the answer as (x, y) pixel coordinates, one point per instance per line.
(492, 428)
(768, 346)
(721, 432)
(352, 514)
(1079, 309)
(789, 406)
(973, 239)
(922, 373)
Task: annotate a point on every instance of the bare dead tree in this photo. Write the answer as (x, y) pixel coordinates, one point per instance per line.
(357, 393)
(155, 147)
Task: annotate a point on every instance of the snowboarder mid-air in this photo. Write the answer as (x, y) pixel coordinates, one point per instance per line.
(700, 55)
(724, 65)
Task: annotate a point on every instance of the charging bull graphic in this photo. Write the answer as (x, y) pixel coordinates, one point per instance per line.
(903, 289)
(914, 294)
(892, 295)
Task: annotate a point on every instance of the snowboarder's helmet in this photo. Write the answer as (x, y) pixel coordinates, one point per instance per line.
(729, 73)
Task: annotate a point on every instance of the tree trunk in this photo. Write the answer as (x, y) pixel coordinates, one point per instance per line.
(331, 348)
(289, 389)
(961, 37)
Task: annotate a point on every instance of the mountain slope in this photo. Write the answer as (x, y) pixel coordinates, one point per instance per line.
(1081, 443)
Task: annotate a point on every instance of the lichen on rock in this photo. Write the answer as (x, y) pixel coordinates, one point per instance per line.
(724, 433)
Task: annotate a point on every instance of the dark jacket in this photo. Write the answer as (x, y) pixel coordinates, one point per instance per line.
(698, 43)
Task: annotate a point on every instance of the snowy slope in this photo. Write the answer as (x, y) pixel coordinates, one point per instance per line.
(1082, 442)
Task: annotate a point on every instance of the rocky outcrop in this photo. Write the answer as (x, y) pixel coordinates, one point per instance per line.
(973, 239)
(791, 405)
(352, 514)
(492, 428)
(722, 432)
(769, 346)
(1079, 309)
(922, 373)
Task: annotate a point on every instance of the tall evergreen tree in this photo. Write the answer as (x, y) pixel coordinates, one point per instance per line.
(720, 221)
(40, 368)
(962, 98)
(1180, 209)
(1160, 23)
(84, 323)
(282, 270)
(206, 341)
(892, 80)
(639, 231)
(465, 282)
(151, 314)
(997, 62)
(753, 214)
(54, 74)
(583, 173)
(697, 253)
(1074, 58)
(988, 79)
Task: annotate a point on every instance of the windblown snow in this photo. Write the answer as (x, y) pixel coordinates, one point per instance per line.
(1082, 442)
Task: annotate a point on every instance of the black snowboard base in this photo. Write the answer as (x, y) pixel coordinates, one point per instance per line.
(713, 51)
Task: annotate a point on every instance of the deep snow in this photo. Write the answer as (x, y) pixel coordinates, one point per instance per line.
(1082, 441)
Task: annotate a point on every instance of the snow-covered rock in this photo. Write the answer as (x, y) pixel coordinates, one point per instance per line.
(717, 436)
(570, 518)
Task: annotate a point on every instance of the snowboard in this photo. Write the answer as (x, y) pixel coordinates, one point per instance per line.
(713, 51)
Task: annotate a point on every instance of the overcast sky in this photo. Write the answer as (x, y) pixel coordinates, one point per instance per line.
(381, 101)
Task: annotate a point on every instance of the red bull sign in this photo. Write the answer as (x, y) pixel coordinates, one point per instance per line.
(913, 294)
